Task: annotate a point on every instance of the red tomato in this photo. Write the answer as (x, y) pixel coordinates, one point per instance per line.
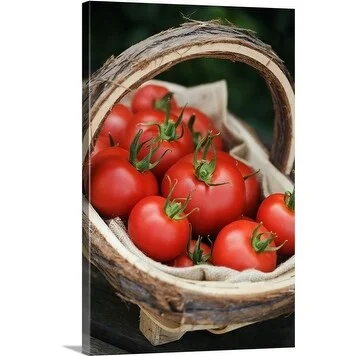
(116, 122)
(113, 129)
(107, 152)
(201, 125)
(253, 189)
(277, 214)
(158, 228)
(252, 185)
(217, 189)
(183, 260)
(150, 97)
(245, 245)
(100, 143)
(116, 184)
(175, 139)
(186, 260)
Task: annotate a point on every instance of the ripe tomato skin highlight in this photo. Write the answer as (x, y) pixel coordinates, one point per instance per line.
(278, 218)
(177, 148)
(107, 152)
(154, 233)
(183, 260)
(252, 185)
(233, 248)
(202, 123)
(116, 122)
(218, 205)
(145, 97)
(253, 190)
(115, 185)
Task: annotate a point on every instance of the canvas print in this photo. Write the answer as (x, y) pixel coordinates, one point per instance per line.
(188, 178)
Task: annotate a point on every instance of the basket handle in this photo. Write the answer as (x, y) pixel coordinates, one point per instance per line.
(148, 58)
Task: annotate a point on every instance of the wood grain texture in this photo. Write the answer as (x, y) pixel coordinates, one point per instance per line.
(155, 334)
(158, 53)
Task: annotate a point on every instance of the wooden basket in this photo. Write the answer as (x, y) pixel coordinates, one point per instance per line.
(171, 306)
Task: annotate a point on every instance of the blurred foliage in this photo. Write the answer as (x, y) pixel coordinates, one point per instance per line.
(116, 26)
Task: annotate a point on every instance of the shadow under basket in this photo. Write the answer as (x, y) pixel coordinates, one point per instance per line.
(170, 305)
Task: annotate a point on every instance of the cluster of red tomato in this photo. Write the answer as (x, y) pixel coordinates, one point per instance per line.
(162, 169)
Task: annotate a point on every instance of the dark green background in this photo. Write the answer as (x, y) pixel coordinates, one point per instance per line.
(113, 27)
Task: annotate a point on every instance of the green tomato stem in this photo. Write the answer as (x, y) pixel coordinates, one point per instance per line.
(173, 208)
(168, 130)
(251, 174)
(204, 170)
(135, 147)
(197, 256)
(195, 134)
(163, 103)
(263, 245)
(289, 199)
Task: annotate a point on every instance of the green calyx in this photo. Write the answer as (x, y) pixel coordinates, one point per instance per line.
(144, 164)
(197, 256)
(204, 170)
(195, 134)
(263, 245)
(289, 199)
(163, 103)
(174, 209)
(251, 174)
(168, 130)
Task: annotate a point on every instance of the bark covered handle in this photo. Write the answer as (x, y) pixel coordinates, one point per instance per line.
(148, 58)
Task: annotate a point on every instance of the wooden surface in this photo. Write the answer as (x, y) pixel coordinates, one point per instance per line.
(116, 323)
(98, 347)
